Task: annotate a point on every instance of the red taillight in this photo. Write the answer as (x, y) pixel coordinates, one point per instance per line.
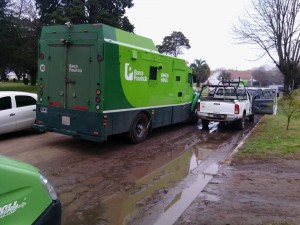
(99, 58)
(236, 109)
(198, 106)
(98, 99)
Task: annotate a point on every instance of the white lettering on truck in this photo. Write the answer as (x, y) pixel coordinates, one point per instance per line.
(164, 77)
(10, 208)
(74, 68)
(134, 75)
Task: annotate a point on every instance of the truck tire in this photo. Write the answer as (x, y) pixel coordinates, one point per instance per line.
(251, 118)
(139, 128)
(205, 124)
(193, 118)
(240, 124)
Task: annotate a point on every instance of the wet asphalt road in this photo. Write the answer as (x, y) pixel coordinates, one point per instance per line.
(115, 182)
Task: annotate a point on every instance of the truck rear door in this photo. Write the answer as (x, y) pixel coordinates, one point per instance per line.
(77, 81)
(70, 66)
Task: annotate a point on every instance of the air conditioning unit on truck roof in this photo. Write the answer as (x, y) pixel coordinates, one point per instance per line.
(95, 81)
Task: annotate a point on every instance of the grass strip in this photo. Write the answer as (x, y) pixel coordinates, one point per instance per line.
(17, 86)
(270, 139)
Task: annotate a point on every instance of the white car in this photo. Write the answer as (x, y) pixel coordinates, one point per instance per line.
(17, 111)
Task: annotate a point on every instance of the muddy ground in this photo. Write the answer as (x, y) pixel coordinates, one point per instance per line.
(180, 175)
(249, 192)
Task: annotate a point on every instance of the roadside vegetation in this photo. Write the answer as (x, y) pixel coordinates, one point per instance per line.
(271, 139)
(17, 86)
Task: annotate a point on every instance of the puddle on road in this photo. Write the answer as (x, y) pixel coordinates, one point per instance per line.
(158, 191)
(123, 208)
(179, 205)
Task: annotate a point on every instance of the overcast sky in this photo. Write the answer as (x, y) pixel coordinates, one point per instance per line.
(206, 23)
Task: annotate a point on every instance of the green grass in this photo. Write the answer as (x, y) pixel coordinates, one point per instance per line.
(270, 139)
(17, 86)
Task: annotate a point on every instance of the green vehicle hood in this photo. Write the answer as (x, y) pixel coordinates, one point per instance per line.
(12, 163)
(23, 198)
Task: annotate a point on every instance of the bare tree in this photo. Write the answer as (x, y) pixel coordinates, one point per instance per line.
(265, 77)
(273, 26)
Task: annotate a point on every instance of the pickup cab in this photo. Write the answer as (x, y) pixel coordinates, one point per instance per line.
(226, 102)
(26, 196)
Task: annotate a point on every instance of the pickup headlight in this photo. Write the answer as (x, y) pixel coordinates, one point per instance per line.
(48, 187)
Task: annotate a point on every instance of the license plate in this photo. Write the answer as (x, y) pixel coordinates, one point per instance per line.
(219, 116)
(65, 120)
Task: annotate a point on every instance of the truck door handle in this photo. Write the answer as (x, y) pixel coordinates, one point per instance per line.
(12, 114)
(216, 103)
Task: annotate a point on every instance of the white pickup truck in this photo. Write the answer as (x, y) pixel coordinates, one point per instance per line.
(232, 102)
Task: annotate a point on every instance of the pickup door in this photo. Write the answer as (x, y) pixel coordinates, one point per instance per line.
(7, 115)
(265, 102)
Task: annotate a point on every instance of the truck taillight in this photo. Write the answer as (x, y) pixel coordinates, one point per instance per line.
(98, 99)
(198, 106)
(99, 58)
(236, 109)
(41, 92)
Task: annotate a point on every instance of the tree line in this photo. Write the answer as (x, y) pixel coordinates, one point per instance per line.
(271, 25)
(21, 22)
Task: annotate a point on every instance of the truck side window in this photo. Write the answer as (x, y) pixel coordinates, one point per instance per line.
(5, 103)
(153, 73)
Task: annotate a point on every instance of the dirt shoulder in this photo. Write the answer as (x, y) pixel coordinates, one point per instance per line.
(249, 192)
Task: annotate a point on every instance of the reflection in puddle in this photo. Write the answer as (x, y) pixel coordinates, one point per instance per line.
(187, 196)
(121, 208)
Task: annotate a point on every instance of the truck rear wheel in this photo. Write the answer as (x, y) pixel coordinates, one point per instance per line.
(240, 124)
(139, 128)
(205, 124)
(193, 118)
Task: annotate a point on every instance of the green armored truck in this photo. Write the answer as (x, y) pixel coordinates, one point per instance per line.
(95, 81)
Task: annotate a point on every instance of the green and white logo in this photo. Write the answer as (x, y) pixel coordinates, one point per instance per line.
(133, 74)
